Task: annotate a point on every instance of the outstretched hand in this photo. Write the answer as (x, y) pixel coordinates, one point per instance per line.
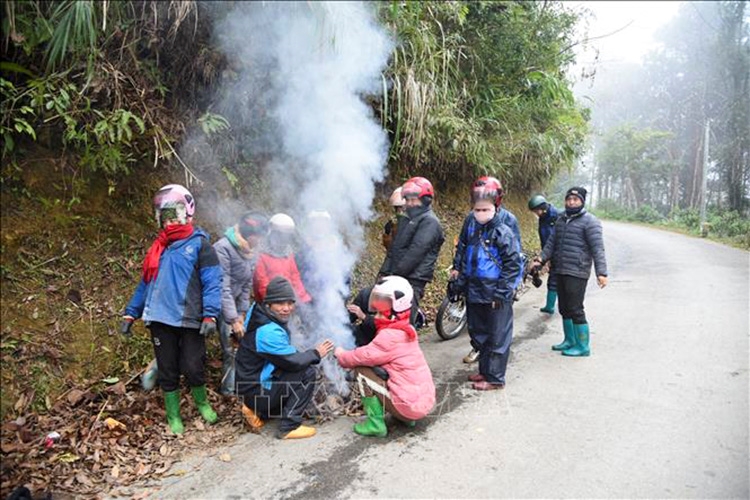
(324, 348)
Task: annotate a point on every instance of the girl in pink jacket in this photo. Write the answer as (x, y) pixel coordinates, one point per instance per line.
(406, 391)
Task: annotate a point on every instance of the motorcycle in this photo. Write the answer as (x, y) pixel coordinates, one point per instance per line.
(450, 320)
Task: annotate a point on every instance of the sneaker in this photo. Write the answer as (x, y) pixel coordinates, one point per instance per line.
(472, 357)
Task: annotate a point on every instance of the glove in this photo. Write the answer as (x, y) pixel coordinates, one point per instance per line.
(126, 324)
(208, 327)
(454, 291)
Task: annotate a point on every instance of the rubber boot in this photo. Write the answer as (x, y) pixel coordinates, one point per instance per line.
(375, 423)
(201, 401)
(582, 346)
(172, 405)
(301, 432)
(570, 338)
(551, 299)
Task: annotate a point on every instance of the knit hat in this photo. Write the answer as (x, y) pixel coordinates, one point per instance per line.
(577, 191)
(279, 290)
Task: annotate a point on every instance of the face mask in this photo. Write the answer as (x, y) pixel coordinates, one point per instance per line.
(414, 211)
(484, 217)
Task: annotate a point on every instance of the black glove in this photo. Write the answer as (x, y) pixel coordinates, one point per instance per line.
(125, 325)
(208, 327)
(454, 291)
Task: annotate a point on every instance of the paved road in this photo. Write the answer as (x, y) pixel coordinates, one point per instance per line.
(660, 409)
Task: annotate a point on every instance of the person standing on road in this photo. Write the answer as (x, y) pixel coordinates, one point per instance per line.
(547, 215)
(179, 298)
(274, 379)
(415, 248)
(391, 370)
(236, 252)
(485, 268)
(506, 218)
(577, 242)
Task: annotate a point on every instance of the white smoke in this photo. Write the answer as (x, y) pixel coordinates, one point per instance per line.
(303, 70)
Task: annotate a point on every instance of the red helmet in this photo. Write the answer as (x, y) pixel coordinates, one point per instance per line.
(417, 186)
(487, 188)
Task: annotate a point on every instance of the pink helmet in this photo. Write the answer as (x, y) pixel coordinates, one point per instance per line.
(177, 197)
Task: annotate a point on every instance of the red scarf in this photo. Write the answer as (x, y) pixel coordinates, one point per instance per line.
(401, 322)
(171, 233)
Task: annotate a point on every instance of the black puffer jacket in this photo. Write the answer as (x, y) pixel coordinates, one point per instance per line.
(577, 241)
(415, 248)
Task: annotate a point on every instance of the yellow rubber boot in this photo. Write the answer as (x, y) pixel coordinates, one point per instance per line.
(252, 420)
(301, 432)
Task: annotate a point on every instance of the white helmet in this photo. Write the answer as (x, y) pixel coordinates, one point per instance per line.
(281, 223)
(177, 198)
(318, 215)
(395, 289)
(396, 199)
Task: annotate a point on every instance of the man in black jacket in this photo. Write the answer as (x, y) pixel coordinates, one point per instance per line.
(275, 380)
(415, 248)
(577, 242)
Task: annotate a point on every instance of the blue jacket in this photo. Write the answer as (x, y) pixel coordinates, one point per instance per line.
(187, 287)
(547, 224)
(264, 349)
(507, 218)
(480, 277)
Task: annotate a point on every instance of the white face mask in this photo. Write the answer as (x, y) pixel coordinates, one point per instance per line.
(484, 216)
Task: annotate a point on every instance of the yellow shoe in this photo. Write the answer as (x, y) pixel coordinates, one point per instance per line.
(251, 419)
(301, 432)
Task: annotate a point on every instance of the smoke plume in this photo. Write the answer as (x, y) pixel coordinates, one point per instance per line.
(302, 71)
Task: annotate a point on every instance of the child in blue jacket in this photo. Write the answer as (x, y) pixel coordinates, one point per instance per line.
(179, 299)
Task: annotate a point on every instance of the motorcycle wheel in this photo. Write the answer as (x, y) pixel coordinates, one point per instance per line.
(450, 320)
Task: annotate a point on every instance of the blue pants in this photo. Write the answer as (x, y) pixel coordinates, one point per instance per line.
(491, 332)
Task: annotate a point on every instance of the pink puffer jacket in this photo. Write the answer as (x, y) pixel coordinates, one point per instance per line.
(409, 378)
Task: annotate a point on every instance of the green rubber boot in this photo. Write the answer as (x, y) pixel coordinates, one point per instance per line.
(201, 401)
(570, 338)
(551, 299)
(172, 405)
(582, 346)
(375, 423)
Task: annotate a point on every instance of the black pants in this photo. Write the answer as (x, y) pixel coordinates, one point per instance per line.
(570, 294)
(289, 395)
(491, 332)
(552, 281)
(178, 351)
(418, 287)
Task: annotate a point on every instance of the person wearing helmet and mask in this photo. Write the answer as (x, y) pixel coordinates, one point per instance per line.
(506, 218)
(277, 259)
(179, 299)
(576, 244)
(547, 215)
(415, 248)
(404, 386)
(274, 379)
(391, 227)
(237, 252)
(486, 266)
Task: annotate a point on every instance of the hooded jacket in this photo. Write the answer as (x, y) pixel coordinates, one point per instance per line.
(266, 349)
(415, 248)
(187, 288)
(547, 224)
(488, 261)
(577, 242)
(237, 280)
